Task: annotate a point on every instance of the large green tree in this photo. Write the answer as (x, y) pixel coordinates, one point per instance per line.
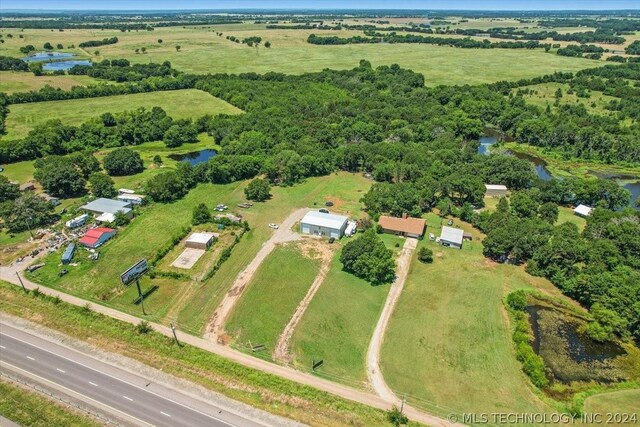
(27, 212)
(123, 161)
(368, 258)
(8, 191)
(258, 190)
(165, 187)
(102, 185)
(59, 176)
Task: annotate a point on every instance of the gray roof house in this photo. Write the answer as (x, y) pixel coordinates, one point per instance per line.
(451, 237)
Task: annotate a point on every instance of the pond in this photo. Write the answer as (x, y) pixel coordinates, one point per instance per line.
(63, 65)
(47, 56)
(195, 157)
(570, 354)
(487, 141)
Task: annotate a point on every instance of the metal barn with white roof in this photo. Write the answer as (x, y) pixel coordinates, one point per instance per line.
(583, 210)
(451, 237)
(200, 240)
(323, 224)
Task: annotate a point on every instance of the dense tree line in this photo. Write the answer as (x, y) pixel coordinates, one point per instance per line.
(103, 42)
(597, 36)
(633, 48)
(8, 63)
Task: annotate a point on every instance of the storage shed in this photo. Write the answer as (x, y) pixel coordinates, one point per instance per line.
(323, 224)
(495, 190)
(95, 237)
(200, 240)
(67, 256)
(405, 226)
(451, 237)
(583, 210)
(77, 221)
(134, 199)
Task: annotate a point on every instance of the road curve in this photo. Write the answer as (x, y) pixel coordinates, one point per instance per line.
(105, 387)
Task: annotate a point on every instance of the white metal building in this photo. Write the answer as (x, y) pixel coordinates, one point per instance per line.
(496, 190)
(323, 224)
(451, 237)
(583, 210)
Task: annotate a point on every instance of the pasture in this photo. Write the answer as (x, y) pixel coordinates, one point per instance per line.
(272, 296)
(14, 81)
(202, 51)
(179, 104)
(544, 95)
(451, 319)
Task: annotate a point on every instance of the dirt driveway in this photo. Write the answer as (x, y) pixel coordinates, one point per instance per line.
(215, 329)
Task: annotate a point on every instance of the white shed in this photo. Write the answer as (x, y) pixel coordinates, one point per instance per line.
(323, 224)
(451, 237)
(200, 240)
(583, 210)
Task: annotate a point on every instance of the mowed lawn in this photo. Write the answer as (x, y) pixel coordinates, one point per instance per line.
(271, 297)
(179, 104)
(202, 51)
(448, 346)
(338, 325)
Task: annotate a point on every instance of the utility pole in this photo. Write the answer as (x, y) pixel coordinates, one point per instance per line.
(140, 295)
(20, 279)
(173, 328)
(404, 399)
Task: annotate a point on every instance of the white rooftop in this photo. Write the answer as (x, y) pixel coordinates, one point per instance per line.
(106, 217)
(320, 219)
(495, 187)
(107, 206)
(583, 210)
(201, 238)
(451, 234)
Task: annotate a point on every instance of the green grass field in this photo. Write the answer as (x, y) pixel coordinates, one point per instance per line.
(204, 52)
(338, 325)
(28, 408)
(271, 297)
(179, 104)
(545, 95)
(448, 346)
(14, 81)
(617, 402)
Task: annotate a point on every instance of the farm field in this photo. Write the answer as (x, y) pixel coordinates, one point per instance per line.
(272, 296)
(179, 104)
(12, 81)
(450, 317)
(202, 51)
(616, 402)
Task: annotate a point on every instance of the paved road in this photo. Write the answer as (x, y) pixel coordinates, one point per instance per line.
(106, 387)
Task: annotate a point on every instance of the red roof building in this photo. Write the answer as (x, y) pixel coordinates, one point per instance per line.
(95, 237)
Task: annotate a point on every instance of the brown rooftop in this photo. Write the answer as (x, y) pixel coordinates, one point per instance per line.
(403, 225)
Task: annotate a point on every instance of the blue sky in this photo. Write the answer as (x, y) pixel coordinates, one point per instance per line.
(325, 4)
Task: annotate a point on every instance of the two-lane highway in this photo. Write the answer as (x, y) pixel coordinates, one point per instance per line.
(107, 387)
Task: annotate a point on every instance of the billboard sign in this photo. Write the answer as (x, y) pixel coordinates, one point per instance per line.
(134, 272)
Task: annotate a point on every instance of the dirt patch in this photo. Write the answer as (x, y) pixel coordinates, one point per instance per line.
(315, 249)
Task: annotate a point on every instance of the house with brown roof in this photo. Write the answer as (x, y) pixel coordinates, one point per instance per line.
(405, 226)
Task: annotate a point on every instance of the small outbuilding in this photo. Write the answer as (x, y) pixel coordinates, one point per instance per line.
(95, 237)
(200, 240)
(323, 224)
(583, 210)
(134, 199)
(67, 256)
(77, 221)
(451, 237)
(27, 186)
(495, 190)
(405, 226)
(110, 207)
(53, 200)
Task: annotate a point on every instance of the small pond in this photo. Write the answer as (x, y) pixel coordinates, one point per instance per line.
(485, 144)
(569, 354)
(540, 165)
(63, 65)
(47, 56)
(195, 157)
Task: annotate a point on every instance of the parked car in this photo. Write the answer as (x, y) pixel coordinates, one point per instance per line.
(332, 239)
(63, 272)
(450, 222)
(329, 204)
(324, 211)
(274, 226)
(432, 237)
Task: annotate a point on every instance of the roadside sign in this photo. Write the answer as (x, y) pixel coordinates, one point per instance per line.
(134, 272)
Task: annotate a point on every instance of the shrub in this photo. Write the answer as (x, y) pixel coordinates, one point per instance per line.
(143, 327)
(425, 255)
(517, 300)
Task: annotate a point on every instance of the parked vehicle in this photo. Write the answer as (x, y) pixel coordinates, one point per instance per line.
(274, 226)
(332, 239)
(63, 272)
(324, 211)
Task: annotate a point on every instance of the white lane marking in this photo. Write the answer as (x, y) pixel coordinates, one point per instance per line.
(93, 384)
(2, 362)
(165, 414)
(30, 358)
(60, 370)
(3, 347)
(128, 398)
(121, 380)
